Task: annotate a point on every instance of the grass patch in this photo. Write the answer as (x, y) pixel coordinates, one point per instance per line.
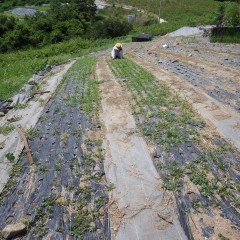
(8, 14)
(177, 13)
(16, 68)
(41, 8)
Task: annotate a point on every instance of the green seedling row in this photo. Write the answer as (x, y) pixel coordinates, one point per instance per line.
(169, 121)
(85, 199)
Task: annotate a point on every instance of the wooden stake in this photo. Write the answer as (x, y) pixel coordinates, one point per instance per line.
(24, 139)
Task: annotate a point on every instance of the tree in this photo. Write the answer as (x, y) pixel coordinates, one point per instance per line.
(6, 24)
(228, 14)
(110, 27)
(87, 8)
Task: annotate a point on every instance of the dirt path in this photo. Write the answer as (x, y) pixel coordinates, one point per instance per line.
(140, 210)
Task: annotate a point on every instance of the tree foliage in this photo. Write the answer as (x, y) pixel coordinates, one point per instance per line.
(61, 22)
(8, 4)
(77, 18)
(109, 28)
(228, 14)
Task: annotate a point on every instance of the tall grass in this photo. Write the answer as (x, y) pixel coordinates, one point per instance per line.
(16, 68)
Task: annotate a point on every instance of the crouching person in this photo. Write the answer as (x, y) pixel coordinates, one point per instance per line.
(117, 51)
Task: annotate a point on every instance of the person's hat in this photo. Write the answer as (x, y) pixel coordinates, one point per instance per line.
(118, 45)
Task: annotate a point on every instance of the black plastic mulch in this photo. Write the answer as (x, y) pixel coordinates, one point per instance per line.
(186, 157)
(46, 198)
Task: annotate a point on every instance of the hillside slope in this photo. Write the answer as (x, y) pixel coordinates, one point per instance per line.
(118, 145)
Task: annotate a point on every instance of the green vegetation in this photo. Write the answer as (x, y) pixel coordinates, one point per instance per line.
(226, 38)
(11, 183)
(20, 106)
(8, 4)
(89, 197)
(170, 123)
(60, 23)
(10, 157)
(177, 13)
(16, 68)
(221, 237)
(31, 133)
(43, 213)
(85, 96)
(166, 126)
(6, 129)
(227, 15)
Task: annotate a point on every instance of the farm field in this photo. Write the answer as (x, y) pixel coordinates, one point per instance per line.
(151, 140)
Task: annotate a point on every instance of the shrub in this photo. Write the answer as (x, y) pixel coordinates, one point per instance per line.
(110, 28)
(228, 14)
(232, 14)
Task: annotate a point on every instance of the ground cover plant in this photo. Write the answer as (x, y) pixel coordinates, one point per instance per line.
(64, 194)
(184, 154)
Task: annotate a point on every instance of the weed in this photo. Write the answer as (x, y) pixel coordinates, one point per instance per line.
(43, 168)
(170, 122)
(64, 137)
(224, 190)
(77, 131)
(17, 167)
(62, 113)
(6, 129)
(56, 131)
(58, 167)
(31, 133)
(11, 183)
(172, 185)
(10, 156)
(43, 213)
(110, 186)
(19, 106)
(100, 201)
